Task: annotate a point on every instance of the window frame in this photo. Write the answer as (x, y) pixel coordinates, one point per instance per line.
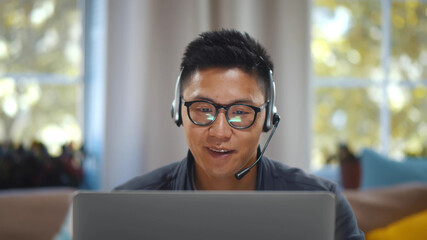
(385, 136)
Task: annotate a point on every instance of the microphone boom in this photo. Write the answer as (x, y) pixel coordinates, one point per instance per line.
(241, 174)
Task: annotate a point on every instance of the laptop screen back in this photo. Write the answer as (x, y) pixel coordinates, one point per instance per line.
(204, 215)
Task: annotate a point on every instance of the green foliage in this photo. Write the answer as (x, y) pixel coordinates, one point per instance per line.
(353, 58)
(40, 72)
(40, 36)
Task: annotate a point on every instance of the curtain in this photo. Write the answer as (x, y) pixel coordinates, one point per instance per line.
(144, 46)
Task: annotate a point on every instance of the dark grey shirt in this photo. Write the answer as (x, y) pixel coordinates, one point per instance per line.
(271, 176)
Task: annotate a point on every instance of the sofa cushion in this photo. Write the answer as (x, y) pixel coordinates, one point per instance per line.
(33, 213)
(412, 227)
(378, 207)
(380, 171)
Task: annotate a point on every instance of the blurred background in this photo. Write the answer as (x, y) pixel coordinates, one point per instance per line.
(86, 86)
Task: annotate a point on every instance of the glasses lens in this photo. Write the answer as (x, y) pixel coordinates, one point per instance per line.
(202, 113)
(241, 116)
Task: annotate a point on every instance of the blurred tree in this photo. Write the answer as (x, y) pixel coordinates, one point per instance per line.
(40, 37)
(351, 77)
(40, 72)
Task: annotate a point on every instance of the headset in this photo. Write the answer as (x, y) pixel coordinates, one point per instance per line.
(271, 114)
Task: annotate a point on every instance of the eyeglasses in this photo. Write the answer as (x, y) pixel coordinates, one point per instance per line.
(204, 113)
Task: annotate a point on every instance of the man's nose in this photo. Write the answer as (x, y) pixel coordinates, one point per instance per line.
(220, 127)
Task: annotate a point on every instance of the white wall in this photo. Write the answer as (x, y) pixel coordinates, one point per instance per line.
(146, 40)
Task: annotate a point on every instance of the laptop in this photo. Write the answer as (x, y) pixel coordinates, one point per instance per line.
(206, 215)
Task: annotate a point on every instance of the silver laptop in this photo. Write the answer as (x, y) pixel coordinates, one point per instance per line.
(204, 215)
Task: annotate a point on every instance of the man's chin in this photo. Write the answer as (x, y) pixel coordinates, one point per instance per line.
(225, 174)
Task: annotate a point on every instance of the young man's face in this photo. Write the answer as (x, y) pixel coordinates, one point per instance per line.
(220, 151)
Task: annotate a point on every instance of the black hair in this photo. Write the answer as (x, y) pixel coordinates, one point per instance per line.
(227, 48)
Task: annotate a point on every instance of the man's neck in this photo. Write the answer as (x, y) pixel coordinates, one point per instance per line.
(203, 182)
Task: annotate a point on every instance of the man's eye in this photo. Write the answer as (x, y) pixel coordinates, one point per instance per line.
(239, 112)
(204, 110)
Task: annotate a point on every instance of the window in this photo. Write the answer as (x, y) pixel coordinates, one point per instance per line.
(369, 77)
(41, 67)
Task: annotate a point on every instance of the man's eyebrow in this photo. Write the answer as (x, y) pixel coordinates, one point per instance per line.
(237, 101)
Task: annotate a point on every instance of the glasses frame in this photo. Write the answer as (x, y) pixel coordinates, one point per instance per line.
(226, 108)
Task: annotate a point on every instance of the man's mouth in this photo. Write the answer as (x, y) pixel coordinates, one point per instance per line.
(220, 150)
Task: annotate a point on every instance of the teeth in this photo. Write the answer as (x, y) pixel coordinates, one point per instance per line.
(219, 150)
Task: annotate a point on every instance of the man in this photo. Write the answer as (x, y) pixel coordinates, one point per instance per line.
(225, 100)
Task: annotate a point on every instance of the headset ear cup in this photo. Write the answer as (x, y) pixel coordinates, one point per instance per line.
(276, 118)
(267, 125)
(179, 120)
(265, 128)
(176, 103)
(173, 110)
(271, 118)
(271, 109)
(176, 112)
